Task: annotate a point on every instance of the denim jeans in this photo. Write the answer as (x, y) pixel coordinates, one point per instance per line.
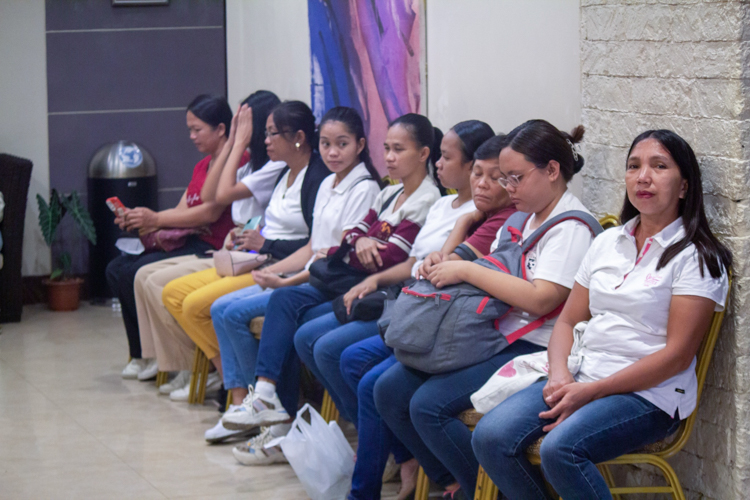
(319, 344)
(600, 430)
(231, 315)
(422, 411)
(361, 366)
(287, 309)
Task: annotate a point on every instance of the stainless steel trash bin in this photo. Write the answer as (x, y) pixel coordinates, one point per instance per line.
(126, 170)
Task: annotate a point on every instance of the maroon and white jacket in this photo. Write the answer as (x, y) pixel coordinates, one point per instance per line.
(397, 229)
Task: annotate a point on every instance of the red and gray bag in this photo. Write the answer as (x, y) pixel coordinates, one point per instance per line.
(439, 330)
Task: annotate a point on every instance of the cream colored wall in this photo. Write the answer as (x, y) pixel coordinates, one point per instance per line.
(268, 48)
(504, 62)
(23, 111)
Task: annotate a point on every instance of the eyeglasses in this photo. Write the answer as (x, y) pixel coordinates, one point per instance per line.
(272, 134)
(513, 180)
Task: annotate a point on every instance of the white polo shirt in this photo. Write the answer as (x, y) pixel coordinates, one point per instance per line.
(555, 258)
(340, 208)
(260, 183)
(629, 302)
(437, 227)
(284, 219)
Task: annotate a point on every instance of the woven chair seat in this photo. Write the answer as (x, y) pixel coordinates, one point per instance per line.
(470, 418)
(256, 326)
(649, 449)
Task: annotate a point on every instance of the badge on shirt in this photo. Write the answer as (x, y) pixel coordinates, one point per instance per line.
(530, 263)
(651, 280)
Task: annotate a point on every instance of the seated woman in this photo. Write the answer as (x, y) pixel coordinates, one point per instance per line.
(343, 200)
(381, 240)
(252, 170)
(536, 163)
(290, 136)
(453, 171)
(648, 290)
(361, 363)
(208, 120)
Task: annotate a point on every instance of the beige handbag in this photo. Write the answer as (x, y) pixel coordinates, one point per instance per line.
(235, 263)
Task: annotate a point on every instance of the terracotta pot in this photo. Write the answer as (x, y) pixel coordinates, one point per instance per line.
(64, 295)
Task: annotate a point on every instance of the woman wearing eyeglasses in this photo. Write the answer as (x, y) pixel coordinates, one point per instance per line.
(536, 163)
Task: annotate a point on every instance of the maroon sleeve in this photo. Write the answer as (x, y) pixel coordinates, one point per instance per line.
(485, 234)
(398, 241)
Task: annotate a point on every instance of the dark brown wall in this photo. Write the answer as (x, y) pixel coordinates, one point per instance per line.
(128, 73)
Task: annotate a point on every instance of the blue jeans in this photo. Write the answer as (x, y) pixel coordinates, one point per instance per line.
(361, 366)
(422, 411)
(319, 345)
(231, 316)
(601, 430)
(287, 309)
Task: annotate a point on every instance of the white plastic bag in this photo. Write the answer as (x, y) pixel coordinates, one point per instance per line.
(320, 456)
(522, 371)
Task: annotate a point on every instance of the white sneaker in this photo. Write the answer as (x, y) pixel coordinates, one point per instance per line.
(182, 393)
(182, 378)
(219, 433)
(255, 411)
(133, 368)
(213, 384)
(254, 452)
(149, 371)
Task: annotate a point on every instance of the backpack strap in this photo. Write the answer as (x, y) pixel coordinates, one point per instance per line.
(388, 202)
(281, 175)
(513, 227)
(578, 215)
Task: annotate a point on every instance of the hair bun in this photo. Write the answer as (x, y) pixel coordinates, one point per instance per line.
(578, 164)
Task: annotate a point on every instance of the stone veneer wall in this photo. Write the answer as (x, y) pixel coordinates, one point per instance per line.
(682, 65)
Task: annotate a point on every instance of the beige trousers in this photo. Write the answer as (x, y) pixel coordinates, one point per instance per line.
(161, 335)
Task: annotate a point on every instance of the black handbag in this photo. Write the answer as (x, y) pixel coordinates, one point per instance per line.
(332, 276)
(368, 308)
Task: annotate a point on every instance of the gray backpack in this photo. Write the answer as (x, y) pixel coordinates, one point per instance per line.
(440, 330)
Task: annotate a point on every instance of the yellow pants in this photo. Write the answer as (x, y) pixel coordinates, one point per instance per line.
(189, 300)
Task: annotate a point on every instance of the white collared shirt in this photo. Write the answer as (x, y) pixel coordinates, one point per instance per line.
(284, 219)
(629, 301)
(261, 184)
(340, 208)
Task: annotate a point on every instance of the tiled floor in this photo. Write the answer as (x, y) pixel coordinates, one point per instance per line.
(71, 427)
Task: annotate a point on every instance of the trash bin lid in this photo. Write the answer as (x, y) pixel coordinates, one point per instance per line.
(121, 160)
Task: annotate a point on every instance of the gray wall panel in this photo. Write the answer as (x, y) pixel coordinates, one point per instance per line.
(75, 138)
(133, 69)
(99, 14)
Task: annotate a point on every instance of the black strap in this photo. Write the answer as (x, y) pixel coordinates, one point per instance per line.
(281, 175)
(389, 201)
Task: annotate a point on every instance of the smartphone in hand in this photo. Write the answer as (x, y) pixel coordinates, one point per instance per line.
(116, 206)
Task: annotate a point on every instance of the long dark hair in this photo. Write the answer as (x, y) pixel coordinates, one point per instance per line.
(291, 116)
(472, 134)
(711, 252)
(262, 103)
(213, 110)
(425, 135)
(540, 142)
(353, 122)
(490, 149)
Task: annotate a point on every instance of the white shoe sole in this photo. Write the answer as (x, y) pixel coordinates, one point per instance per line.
(249, 459)
(265, 418)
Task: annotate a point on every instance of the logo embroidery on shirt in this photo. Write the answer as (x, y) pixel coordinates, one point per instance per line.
(531, 263)
(681, 391)
(651, 280)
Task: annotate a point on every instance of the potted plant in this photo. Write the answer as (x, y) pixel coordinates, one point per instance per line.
(63, 289)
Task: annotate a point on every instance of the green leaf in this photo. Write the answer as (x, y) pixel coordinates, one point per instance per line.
(56, 274)
(50, 216)
(66, 262)
(75, 208)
